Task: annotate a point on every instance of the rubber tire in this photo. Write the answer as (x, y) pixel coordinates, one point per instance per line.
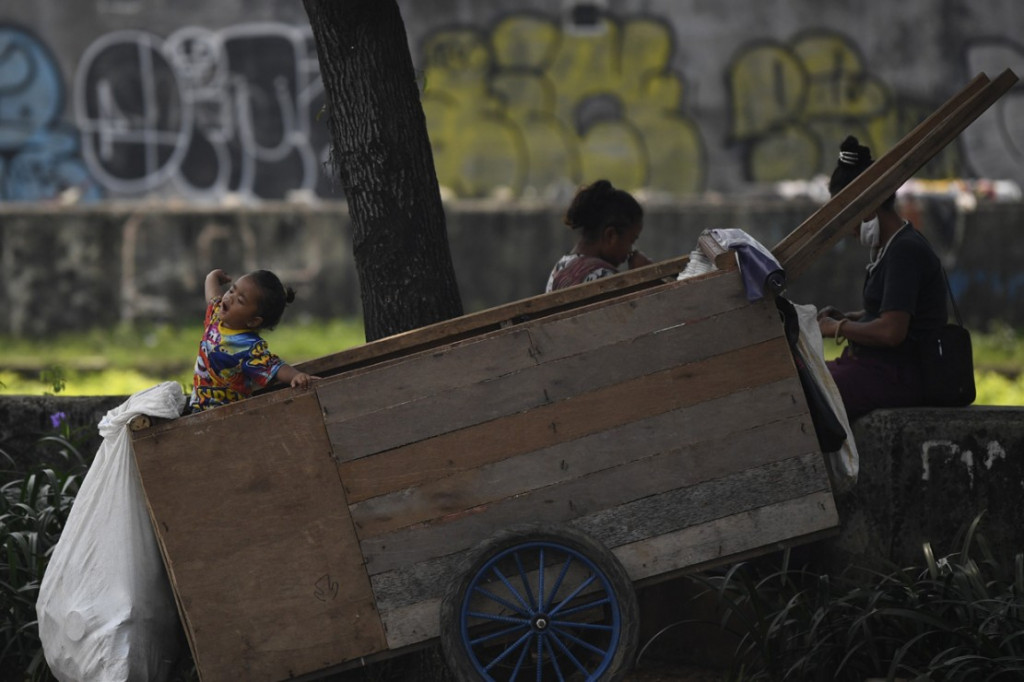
(559, 542)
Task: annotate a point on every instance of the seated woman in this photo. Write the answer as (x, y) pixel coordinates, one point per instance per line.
(609, 221)
(904, 299)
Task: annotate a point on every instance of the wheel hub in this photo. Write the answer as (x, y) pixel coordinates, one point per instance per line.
(540, 622)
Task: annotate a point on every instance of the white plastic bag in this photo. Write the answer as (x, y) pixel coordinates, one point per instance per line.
(106, 609)
(845, 461)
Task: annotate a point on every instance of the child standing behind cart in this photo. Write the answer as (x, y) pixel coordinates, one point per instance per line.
(233, 358)
(609, 221)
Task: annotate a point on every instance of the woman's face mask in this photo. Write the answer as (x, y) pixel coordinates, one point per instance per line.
(869, 233)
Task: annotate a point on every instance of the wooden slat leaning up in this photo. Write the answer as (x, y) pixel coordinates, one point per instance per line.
(819, 232)
(798, 237)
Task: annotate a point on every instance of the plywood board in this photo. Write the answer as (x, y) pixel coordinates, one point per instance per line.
(259, 547)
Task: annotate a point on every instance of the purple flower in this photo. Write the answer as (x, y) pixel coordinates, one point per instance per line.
(57, 418)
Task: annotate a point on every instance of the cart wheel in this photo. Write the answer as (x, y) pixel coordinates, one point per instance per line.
(504, 619)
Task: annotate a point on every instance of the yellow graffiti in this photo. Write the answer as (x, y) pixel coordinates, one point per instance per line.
(531, 109)
(793, 104)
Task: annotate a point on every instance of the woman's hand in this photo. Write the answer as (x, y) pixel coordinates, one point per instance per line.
(828, 326)
(637, 259)
(889, 330)
(830, 312)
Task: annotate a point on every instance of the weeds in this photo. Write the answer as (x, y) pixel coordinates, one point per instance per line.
(960, 617)
(34, 506)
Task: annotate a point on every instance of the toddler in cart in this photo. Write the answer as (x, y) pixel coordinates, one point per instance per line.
(233, 359)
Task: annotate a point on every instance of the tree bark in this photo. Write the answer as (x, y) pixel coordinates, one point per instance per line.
(381, 153)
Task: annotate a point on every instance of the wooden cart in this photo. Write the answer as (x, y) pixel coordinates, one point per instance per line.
(502, 480)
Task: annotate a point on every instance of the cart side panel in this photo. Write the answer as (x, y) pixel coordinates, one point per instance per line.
(694, 427)
(257, 539)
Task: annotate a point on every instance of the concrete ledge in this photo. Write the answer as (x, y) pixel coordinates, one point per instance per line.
(26, 419)
(925, 474)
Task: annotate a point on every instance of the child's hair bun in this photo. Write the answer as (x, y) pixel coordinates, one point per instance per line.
(289, 294)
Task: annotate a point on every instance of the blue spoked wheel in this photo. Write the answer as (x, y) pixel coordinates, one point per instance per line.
(540, 603)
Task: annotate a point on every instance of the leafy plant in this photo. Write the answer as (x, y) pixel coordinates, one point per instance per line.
(34, 506)
(55, 376)
(960, 617)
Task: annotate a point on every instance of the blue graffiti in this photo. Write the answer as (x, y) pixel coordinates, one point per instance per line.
(39, 155)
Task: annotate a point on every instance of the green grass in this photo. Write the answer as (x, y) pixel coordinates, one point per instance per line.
(127, 359)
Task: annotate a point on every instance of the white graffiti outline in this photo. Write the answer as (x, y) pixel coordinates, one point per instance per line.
(112, 130)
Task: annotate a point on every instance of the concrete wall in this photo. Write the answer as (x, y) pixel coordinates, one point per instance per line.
(524, 98)
(69, 268)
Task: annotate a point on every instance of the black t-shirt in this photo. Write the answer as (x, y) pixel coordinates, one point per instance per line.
(909, 278)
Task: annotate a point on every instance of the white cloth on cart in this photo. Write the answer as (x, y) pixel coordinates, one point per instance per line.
(106, 609)
(756, 263)
(845, 462)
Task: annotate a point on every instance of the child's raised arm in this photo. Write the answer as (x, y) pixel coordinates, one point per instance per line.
(215, 282)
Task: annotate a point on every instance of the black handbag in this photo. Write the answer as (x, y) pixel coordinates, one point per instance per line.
(947, 362)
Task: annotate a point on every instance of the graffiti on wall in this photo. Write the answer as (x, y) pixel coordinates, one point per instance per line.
(793, 103)
(994, 144)
(205, 113)
(533, 107)
(528, 106)
(39, 153)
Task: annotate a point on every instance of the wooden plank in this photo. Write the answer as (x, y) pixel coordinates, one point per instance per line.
(896, 173)
(436, 372)
(619, 497)
(567, 420)
(548, 382)
(789, 245)
(414, 623)
(708, 544)
(699, 427)
(656, 515)
(260, 549)
(711, 543)
(494, 318)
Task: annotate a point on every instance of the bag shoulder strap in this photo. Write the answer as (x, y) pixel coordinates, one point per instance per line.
(949, 289)
(942, 269)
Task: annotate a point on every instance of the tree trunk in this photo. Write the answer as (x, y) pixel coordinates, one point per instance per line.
(382, 155)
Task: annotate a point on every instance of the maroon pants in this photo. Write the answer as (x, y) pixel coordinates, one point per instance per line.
(870, 381)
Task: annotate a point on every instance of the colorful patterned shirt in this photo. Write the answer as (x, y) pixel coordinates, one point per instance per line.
(231, 364)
